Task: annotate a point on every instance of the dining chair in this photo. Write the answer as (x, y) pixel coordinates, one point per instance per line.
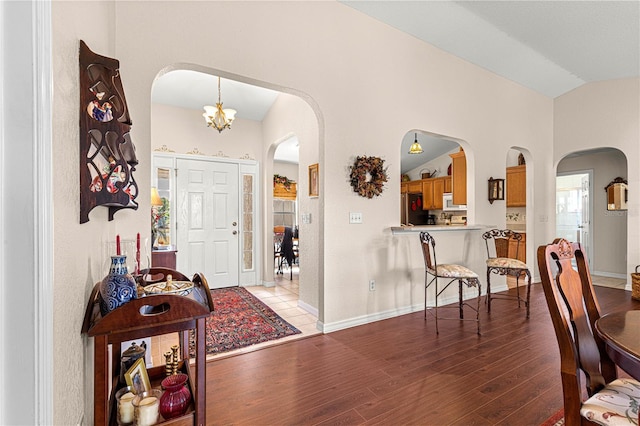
(453, 273)
(574, 310)
(499, 262)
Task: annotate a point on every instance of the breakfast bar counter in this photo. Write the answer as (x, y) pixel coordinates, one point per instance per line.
(395, 230)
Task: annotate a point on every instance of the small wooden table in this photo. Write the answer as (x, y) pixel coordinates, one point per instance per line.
(621, 333)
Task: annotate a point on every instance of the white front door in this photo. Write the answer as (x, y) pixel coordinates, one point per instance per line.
(208, 221)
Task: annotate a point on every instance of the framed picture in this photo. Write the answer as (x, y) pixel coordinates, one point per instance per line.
(137, 377)
(314, 180)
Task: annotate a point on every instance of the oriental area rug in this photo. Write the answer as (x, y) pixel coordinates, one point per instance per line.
(556, 420)
(239, 319)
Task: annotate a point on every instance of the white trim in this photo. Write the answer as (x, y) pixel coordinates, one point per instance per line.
(3, 312)
(43, 209)
(610, 275)
(392, 313)
(308, 308)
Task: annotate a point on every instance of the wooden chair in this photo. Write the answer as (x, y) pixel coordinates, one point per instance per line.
(574, 310)
(499, 262)
(455, 273)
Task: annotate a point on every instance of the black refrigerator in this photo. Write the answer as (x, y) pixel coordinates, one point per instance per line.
(411, 210)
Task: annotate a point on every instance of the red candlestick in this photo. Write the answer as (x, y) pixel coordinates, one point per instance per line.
(117, 245)
(138, 254)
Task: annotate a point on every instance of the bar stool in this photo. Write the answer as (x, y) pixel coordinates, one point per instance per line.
(499, 262)
(453, 272)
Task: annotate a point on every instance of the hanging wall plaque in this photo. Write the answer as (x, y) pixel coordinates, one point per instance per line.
(107, 154)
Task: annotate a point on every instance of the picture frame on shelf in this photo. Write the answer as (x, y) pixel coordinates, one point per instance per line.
(137, 377)
(314, 180)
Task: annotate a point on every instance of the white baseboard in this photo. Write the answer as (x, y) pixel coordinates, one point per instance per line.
(379, 316)
(269, 283)
(609, 275)
(308, 308)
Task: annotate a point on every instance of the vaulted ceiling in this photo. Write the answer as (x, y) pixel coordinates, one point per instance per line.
(551, 47)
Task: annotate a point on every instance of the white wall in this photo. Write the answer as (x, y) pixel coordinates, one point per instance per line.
(440, 165)
(290, 170)
(342, 75)
(291, 115)
(609, 228)
(603, 114)
(184, 130)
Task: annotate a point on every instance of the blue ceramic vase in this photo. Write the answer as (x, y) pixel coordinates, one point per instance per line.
(118, 287)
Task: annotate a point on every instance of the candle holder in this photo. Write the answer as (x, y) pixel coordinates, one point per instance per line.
(175, 348)
(146, 407)
(124, 400)
(168, 366)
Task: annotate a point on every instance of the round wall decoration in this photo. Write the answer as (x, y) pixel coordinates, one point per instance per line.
(368, 176)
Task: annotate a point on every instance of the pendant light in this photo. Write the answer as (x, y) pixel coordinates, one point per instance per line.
(415, 146)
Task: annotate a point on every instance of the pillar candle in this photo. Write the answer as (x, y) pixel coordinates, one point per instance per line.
(117, 245)
(125, 409)
(148, 409)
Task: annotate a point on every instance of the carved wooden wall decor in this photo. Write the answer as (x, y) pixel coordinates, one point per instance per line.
(107, 154)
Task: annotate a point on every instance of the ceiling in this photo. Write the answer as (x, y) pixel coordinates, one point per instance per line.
(551, 47)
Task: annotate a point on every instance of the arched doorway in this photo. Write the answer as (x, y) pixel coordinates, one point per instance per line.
(581, 211)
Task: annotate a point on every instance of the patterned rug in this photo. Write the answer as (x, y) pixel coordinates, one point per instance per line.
(239, 320)
(556, 420)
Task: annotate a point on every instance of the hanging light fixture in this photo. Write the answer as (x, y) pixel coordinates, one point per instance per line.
(415, 147)
(217, 117)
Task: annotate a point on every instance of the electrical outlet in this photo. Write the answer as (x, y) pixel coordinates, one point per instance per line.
(372, 285)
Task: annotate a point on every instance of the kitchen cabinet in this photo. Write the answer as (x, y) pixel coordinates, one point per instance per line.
(517, 186)
(447, 184)
(282, 192)
(411, 187)
(459, 177)
(432, 190)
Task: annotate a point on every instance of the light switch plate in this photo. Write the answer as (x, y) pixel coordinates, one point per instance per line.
(355, 217)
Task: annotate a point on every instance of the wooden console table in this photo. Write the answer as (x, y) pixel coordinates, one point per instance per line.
(164, 258)
(166, 314)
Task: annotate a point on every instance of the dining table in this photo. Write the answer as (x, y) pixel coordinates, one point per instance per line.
(621, 333)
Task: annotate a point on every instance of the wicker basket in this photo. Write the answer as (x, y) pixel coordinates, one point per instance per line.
(635, 284)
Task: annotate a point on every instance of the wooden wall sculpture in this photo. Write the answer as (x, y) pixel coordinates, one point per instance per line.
(107, 154)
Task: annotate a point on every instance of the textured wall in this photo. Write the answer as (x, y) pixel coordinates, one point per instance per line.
(367, 85)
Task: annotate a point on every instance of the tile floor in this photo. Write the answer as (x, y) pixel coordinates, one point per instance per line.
(282, 298)
(609, 282)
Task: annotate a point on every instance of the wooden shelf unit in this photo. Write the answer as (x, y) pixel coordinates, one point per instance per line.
(167, 314)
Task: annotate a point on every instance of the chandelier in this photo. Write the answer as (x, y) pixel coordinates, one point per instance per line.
(415, 147)
(217, 117)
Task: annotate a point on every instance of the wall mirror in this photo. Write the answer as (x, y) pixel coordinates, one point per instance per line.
(617, 194)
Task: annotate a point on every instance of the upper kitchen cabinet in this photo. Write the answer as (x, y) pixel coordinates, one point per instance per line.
(459, 177)
(432, 190)
(517, 186)
(411, 187)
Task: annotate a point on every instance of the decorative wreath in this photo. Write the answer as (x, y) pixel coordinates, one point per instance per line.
(368, 176)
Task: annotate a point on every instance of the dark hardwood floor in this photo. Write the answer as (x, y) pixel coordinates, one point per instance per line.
(399, 372)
